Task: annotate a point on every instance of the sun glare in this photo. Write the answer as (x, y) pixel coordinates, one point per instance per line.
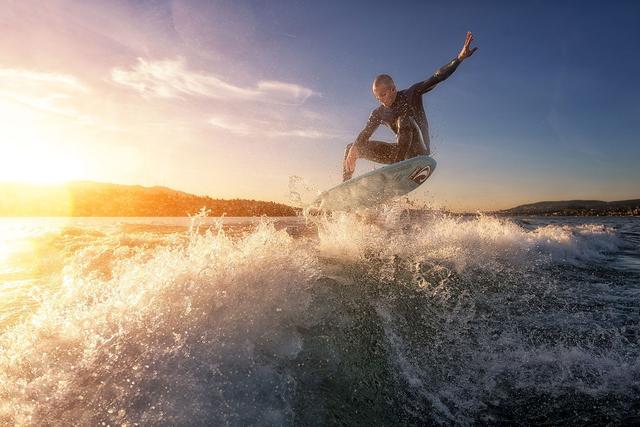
(32, 151)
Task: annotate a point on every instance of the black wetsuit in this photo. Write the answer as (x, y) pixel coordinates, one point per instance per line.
(406, 118)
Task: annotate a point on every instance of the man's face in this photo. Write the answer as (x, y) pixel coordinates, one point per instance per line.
(386, 94)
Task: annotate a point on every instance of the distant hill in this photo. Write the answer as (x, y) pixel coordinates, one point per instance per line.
(578, 208)
(82, 198)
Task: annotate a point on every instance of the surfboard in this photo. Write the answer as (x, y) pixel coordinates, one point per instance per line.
(378, 186)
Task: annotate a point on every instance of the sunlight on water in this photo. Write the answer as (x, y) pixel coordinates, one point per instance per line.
(5, 251)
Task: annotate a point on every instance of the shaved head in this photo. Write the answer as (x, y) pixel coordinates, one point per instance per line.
(384, 89)
(383, 80)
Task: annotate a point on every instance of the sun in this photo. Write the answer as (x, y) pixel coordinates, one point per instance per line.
(37, 162)
(32, 150)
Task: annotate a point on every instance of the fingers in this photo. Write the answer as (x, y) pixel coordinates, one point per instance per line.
(468, 39)
(468, 42)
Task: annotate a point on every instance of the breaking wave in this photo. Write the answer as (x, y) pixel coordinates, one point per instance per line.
(348, 318)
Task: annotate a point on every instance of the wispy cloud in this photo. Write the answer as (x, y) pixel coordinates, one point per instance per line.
(13, 76)
(46, 92)
(230, 125)
(171, 79)
(302, 133)
(244, 126)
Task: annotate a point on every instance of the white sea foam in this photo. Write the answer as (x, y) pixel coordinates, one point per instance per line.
(461, 240)
(81, 346)
(174, 328)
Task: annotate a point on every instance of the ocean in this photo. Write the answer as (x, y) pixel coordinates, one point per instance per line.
(385, 317)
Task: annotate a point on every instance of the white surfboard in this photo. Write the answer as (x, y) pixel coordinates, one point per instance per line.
(377, 186)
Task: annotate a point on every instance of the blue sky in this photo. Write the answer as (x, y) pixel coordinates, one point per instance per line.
(230, 99)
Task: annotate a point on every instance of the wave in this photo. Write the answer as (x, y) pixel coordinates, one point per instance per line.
(378, 317)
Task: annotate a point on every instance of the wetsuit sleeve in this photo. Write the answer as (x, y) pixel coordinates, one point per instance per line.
(441, 74)
(371, 126)
(405, 135)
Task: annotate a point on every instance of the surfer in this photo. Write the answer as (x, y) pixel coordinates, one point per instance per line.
(403, 112)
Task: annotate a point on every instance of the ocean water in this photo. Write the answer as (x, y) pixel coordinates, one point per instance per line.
(377, 318)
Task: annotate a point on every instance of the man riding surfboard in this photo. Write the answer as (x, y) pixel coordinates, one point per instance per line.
(403, 112)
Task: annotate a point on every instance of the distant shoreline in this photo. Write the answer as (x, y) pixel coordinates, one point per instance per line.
(581, 215)
(142, 217)
(92, 199)
(84, 199)
(297, 215)
(593, 208)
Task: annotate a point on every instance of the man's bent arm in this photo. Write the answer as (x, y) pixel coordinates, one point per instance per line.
(370, 127)
(441, 74)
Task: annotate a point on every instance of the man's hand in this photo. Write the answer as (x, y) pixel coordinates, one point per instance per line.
(350, 161)
(466, 51)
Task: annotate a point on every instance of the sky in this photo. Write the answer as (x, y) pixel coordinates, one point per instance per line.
(233, 98)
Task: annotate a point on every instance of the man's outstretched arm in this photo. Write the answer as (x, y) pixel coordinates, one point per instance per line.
(444, 72)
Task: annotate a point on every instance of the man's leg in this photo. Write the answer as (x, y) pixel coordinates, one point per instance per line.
(376, 151)
(410, 141)
(418, 146)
